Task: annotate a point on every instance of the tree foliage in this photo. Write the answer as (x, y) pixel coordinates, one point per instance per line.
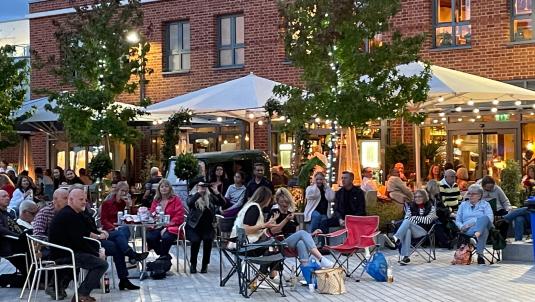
(345, 78)
(172, 130)
(12, 90)
(98, 63)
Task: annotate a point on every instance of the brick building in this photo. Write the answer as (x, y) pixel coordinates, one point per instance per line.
(195, 44)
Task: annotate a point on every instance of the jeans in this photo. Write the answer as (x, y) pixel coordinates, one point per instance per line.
(303, 242)
(160, 244)
(120, 237)
(483, 225)
(95, 267)
(118, 257)
(519, 218)
(408, 230)
(315, 222)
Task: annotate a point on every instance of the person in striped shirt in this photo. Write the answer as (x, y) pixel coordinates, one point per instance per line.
(449, 190)
(419, 217)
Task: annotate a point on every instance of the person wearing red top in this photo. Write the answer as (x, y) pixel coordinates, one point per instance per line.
(7, 185)
(529, 179)
(161, 239)
(116, 202)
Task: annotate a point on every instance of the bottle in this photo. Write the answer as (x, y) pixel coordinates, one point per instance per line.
(158, 213)
(119, 217)
(293, 279)
(106, 283)
(390, 273)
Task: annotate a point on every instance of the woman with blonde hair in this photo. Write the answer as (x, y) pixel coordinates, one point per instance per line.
(318, 202)
(462, 178)
(161, 239)
(286, 226)
(202, 206)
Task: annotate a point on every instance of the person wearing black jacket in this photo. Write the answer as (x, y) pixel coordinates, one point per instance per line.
(8, 246)
(258, 181)
(68, 229)
(199, 225)
(349, 200)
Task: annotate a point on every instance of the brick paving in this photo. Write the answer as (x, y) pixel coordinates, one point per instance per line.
(419, 281)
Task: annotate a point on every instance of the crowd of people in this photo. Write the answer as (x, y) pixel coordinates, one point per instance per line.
(55, 207)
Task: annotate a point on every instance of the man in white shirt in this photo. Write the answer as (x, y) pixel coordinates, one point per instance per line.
(368, 183)
(27, 211)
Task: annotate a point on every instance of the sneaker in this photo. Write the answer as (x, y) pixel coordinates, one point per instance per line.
(326, 263)
(473, 241)
(480, 259)
(528, 240)
(406, 260)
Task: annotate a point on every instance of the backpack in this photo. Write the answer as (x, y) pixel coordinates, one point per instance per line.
(498, 242)
(159, 267)
(463, 255)
(377, 267)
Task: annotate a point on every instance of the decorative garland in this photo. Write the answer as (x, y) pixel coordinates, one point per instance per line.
(171, 131)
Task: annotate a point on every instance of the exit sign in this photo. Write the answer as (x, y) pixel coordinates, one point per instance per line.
(502, 117)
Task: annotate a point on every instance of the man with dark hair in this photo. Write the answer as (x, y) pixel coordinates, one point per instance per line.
(349, 200)
(258, 181)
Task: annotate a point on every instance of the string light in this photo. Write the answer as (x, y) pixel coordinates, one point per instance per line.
(495, 102)
(459, 109)
(260, 123)
(219, 119)
(494, 109)
(518, 103)
(441, 114)
(440, 99)
(475, 110)
(470, 103)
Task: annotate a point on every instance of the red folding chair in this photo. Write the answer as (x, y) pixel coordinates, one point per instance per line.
(360, 234)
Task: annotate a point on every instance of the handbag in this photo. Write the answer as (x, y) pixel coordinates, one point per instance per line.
(377, 267)
(463, 255)
(498, 242)
(331, 281)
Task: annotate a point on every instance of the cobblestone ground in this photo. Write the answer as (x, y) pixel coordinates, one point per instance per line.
(419, 281)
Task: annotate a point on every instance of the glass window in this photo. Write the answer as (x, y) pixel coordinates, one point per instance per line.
(178, 46)
(522, 21)
(231, 41)
(452, 23)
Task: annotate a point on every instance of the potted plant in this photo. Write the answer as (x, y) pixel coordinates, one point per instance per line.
(511, 178)
(100, 166)
(186, 167)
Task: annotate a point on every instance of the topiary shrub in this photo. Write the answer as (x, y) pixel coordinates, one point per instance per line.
(186, 166)
(101, 165)
(511, 178)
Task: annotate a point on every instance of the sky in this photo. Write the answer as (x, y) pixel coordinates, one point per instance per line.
(13, 9)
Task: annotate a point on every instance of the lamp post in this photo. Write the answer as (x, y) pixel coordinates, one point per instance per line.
(133, 38)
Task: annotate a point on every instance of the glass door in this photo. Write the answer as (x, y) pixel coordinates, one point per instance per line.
(483, 153)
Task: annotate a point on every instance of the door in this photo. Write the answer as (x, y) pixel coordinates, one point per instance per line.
(483, 152)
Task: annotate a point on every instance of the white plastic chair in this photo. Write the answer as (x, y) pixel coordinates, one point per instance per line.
(45, 266)
(111, 266)
(181, 240)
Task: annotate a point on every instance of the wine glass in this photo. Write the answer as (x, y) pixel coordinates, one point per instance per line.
(138, 186)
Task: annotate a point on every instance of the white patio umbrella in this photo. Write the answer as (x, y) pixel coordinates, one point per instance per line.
(455, 90)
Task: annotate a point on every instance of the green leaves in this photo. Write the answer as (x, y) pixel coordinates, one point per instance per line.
(186, 166)
(346, 77)
(101, 165)
(98, 63)
(172, 129)
(12, 91)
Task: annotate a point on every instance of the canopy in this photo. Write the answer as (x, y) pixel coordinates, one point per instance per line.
(455, 90)
(449, 87)
(232, 98)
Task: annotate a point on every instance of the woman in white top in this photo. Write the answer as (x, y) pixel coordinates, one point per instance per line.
(24, 191)
(318, 202)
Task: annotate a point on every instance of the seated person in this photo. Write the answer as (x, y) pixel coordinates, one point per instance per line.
(369, 184)
(520, 218)
(449, 190)
(419, 217)
(219, 179)
(474, 218)
(68, 229)
(24, 191)
(318, 202)
(494, 195)
(9, 247)
(202, 206)
(286, 227)
(45, 215)
(235, 196)
(462, 178)
(401, 169)
(396, 189)
(28, 209)
(161, 239)
(119, 201)
(434, 173)
(149, 194)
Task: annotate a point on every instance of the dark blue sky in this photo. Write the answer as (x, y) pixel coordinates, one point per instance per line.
(13, 9)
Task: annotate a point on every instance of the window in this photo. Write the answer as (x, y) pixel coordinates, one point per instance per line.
(522, 21)
(231, 47)
(452, 23)
(177, 56)
(528, 84)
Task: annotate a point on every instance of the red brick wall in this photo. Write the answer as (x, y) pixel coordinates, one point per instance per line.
(491, 54)
(10, 154)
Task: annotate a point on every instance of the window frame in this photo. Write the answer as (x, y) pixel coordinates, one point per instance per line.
(181, 51)
(233, 46)
(515, 17)
(453, 25)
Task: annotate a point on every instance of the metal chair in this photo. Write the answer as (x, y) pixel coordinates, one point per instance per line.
(488, 255)
(45, 266)
(28, 267)
(427, 252)
(251, 255)
(224, 228)
(181, 240)
(361, 232)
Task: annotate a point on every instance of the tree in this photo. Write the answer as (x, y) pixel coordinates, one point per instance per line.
(99, 58)
(346, 79)
(12, 91)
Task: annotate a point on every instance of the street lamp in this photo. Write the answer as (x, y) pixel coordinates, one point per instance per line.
(133, 37)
